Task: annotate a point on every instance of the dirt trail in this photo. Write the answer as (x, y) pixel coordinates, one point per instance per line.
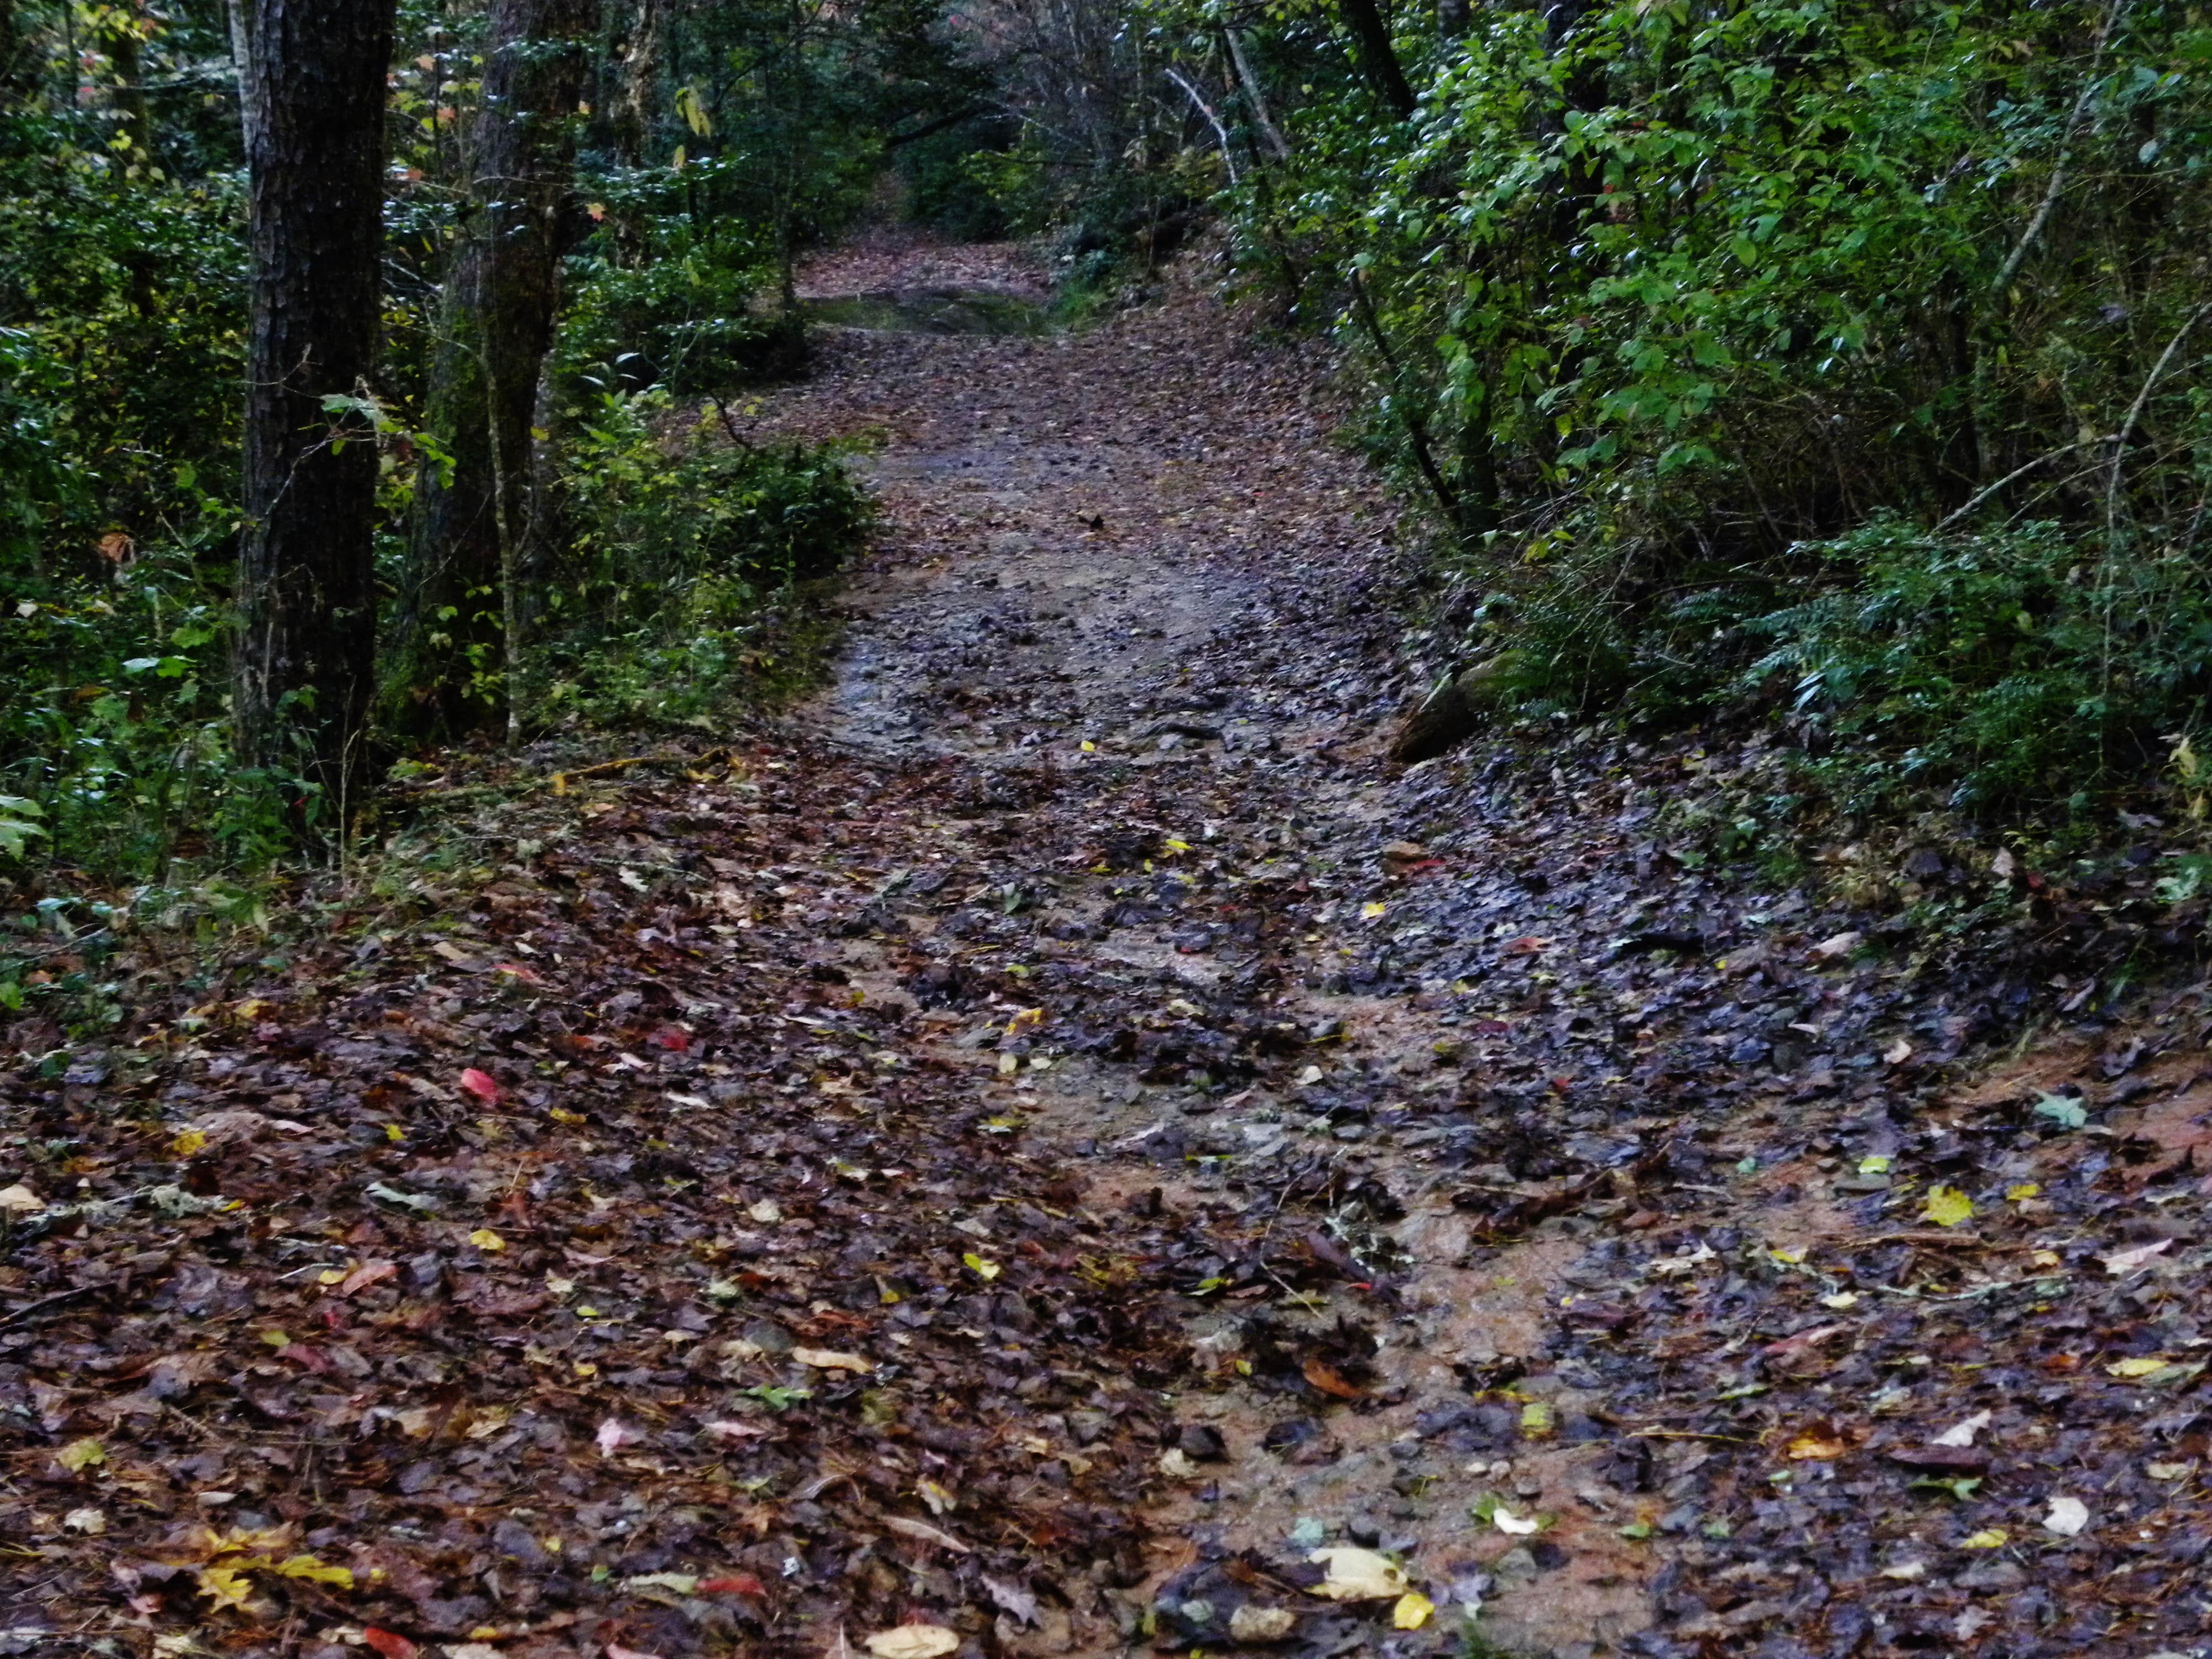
(1056, 1132)
(1151, 617)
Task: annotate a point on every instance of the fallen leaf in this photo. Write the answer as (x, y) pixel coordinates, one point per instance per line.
(1358, 1575)
(683, 1584)
(908, 1527)
(723, 1428)
(1836, 945)
(1962, 1434)
(828, 1359)
(1413, 1611)
(81, 1455)
(1990, 1538)
(1519, 1526)
(986, 1271)
(1946, 1206)
(1897, 1053)
(21, 1200)
(1816, 1447)
(614, 1434)
(481, 1084)
(308, 1567)
(732, 1583)
(2062, 1110)
(2122, 1262)
(2141, 1366)
(1324, 1376)
(368, 1273)
(225, 1587)
(91, 1522)
(912, 1642)
(389, 1643)
(2067, 1517)
(485, 1239)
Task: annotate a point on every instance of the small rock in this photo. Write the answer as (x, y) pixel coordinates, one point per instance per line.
(1202, 1443)
(1256, 1623)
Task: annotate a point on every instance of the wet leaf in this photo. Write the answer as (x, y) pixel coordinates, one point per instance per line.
(82, 1454)
(1413, 1611)
(1358, 1575)
(2067, 1517)
(1946, 1206)
(2062, 1110)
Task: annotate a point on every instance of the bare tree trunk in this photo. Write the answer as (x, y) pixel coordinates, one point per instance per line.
(305, 654)
(1255, 95)
(455, 665)
(1378, 59)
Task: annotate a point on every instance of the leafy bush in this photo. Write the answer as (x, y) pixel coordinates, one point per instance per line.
(2003, 664)
(675, 597)
(1667, 304)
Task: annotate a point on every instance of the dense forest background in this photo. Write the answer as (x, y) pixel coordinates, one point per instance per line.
(1839, 365)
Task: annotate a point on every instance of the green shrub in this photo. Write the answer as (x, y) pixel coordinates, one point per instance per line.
(677, 595)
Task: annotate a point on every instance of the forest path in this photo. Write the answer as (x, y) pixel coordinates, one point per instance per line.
(1036, 1143)
(1134, 605)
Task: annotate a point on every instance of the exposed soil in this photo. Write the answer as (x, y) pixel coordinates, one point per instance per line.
(1056, 1132)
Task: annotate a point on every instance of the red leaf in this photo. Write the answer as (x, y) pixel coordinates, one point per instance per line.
(734, 1583)
(481, 1084)
(389, 1643)
(671, 1037)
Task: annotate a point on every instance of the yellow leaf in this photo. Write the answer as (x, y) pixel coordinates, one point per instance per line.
(1990, 1538)
(1536, 1420)
(1810, 1448)
(307, 1567)
(227, 1587)
(1413, 1611)
(2025, 1189)
(2141, 1367)
(986, 1271)
(1175, 846)
(1789, 1255)
(1089, 747)
(331, 1276)
(484, 1239)
(186, 1144)
(1877, 1164)
(1027, 1017)
(562, 1114)
(81, 1454)
(1946, 1206)
(1373, 909)
(393, 1131)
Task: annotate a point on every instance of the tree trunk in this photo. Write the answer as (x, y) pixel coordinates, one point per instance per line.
(305, 653)
(1378, 59)
(502, 295)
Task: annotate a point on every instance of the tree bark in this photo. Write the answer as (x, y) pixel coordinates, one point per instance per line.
(1378, 59)
(304, 651)
(502, 296)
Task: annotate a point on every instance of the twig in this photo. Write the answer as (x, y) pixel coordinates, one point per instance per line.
(1205, 109)
(2134, 411)
(2017, 473)
(31, 1309)
(2050, 202)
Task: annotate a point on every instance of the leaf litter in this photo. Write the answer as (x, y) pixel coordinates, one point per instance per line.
(1056, 1149)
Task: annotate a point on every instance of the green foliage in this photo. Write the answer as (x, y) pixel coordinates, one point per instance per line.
(677, 594)
(1668, 305)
